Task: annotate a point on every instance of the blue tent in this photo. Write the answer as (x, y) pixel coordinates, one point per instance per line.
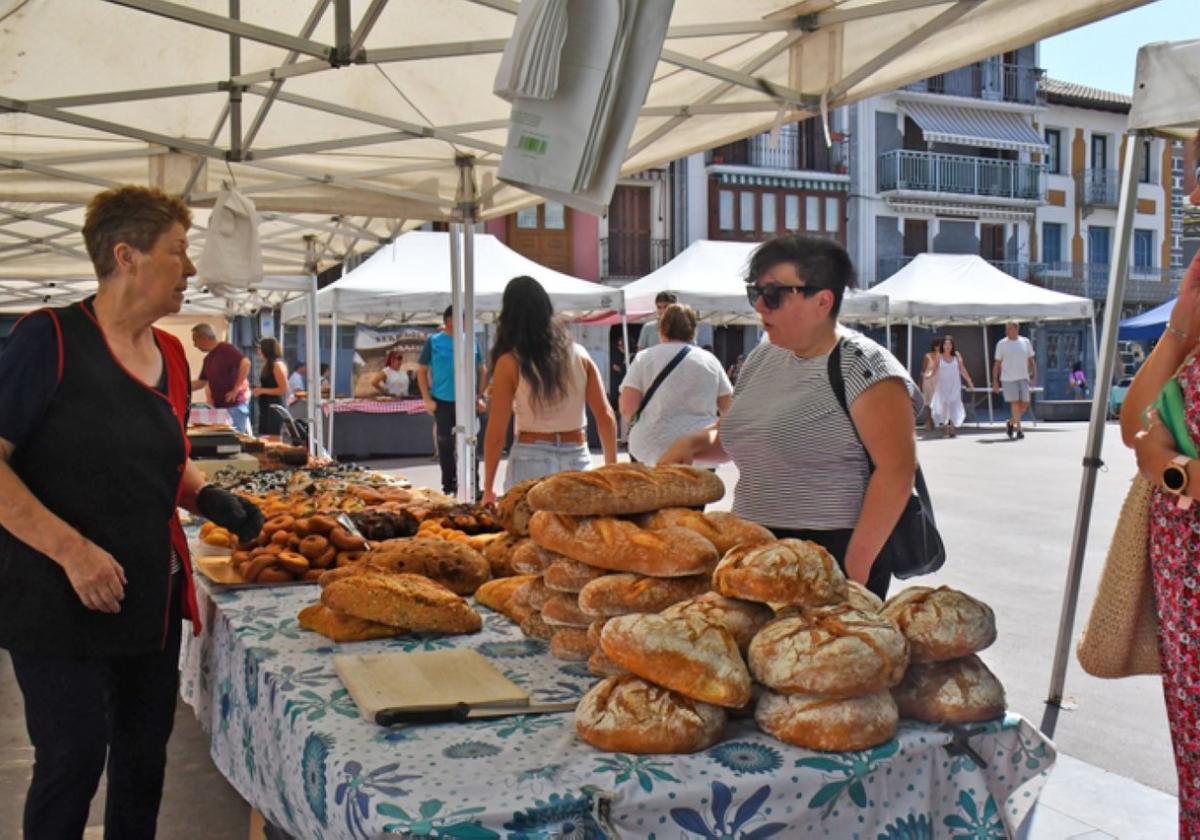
(1149, 325)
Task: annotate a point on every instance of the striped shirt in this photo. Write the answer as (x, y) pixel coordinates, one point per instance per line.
(799, 461)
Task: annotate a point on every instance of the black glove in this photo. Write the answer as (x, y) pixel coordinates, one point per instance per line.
(241, 516)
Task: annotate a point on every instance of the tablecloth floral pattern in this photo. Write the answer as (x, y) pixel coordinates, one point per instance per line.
(290, 739)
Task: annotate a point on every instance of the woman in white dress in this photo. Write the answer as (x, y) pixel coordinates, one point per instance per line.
(947, 407)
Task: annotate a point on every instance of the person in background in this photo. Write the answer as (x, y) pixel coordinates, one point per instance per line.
(807, 468)
(947, 409)
(272, 386)
(435, 377)
(736, 368)
(688, 398)
(545, 379)
(648, 337)
(225, 375)
(929, 367)
(296, 383)
(95, 575)
(1077, 382)
(616, 374)
(391, 381)
(325, 380)
(1015, 372)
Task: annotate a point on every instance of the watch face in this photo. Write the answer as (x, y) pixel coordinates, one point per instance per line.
(1175, 478)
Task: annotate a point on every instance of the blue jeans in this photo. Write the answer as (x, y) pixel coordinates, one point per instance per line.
(543, 458)
(240, 415)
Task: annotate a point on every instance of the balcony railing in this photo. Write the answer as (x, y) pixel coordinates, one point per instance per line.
(1098, 187)
(902, 169)
(986, 80)
(1145, 284)
(631, 254)
(795, 147)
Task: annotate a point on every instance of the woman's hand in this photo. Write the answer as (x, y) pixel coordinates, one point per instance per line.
(96, 577)
(1154, 447)
(489, 497)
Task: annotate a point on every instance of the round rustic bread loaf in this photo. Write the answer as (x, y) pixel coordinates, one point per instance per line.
(956, 691)
(831, 651)
(513, 511)
(686, 654)
(861, 598)
(741, 618)
(571, 644)
(819, 723)
(721, 528)
(790, 572)
(567, 575)
(941, 623)
(628, 715)
(621, 594)
(562, 610)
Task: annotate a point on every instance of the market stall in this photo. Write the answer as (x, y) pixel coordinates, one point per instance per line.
(375, 427)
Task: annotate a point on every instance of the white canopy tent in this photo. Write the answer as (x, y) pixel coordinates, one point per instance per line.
(1164, 102)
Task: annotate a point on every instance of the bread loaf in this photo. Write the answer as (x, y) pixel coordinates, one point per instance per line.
(625, 488)
(594, 630)
(402, 600)
(340, 627)
(562, 610)
(621, 594)
(861, 598)
(513, 511)
(498, 553)
(538, 594)
(831, 651)
(456, 566)
(795, 572)
(535, 627)
(686, 654)
(529, 558)
(623, 546)
(567, 575)
(957, 691)
(742, 619)
(941, 623)
(628, 715)
(600, 665)
(570, 644)
(721, 528)
(498, 594)
(822, 723)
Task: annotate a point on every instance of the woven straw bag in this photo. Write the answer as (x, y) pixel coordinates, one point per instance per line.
(1121, 638)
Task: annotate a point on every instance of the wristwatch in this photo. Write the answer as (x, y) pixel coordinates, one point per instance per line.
(1175, 479)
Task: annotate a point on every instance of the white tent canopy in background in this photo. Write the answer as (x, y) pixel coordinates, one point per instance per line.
(409, 280)
(1165, 96)
(967, 289)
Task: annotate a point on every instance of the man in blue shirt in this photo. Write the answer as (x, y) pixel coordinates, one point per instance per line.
(436, 380)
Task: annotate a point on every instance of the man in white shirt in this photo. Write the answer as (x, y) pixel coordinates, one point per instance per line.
(1014, 371)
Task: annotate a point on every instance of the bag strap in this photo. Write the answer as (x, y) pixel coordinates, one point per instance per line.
(658, 380)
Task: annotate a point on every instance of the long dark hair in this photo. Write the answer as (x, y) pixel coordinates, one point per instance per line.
(942, 345)
(270, 349)
(541, 344)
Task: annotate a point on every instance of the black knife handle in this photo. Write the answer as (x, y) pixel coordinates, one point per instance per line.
(446, 714)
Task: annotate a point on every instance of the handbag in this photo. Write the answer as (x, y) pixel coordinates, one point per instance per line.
(914, 547)
(1121, 636)
(658, 380)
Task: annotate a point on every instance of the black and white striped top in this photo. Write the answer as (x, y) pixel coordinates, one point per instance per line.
(799, 461)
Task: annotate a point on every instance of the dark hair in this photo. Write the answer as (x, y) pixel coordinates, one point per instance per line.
(678, 322)
(819, 262)
(665, 297)
(137, 216)
(541, 344)
(942, 341)
(448, 313)
(935, 346)
(270, 349)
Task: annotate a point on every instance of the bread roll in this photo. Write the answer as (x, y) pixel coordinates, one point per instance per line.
(498, 594)
(567, 575)
(538, 594)
(600, 665)
(625, 488)
(402, 600)
(594, 630)
(832, 651)
(941, 623)
(795, 572)
(741, 618)
(535, 627)
(562, 610)
(456, 566)
(570, 644)
(621, 594)
(498, 553)
(513, 511)
(686, 654)
(821, 723)
(628, 715)
(622, 546)
(721, 528)
(957, 691)
(340, 627)
(529, 558)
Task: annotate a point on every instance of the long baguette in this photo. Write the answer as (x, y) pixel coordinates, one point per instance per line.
(620, 489)
(622, 546)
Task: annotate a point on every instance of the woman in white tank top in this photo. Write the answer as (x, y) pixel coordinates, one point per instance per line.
(543, 379)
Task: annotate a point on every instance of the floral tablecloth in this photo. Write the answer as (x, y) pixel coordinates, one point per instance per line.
(290, 739)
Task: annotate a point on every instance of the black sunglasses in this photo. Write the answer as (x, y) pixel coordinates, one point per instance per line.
(772, 295)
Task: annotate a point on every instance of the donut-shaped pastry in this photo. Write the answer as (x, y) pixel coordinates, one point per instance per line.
(348, 558)
(312, 574)
(282, 537)
(292, 563)
(274, 574)
(303, 526)
(256, 566)
(319, 523)
(325, 560)
(283, 522)
(313, 546)
(343, 540)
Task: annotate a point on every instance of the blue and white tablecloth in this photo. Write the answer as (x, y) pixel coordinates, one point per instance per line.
(289, 738)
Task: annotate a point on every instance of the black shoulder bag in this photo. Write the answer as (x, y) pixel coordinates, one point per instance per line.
(658, 380)
(915, 546)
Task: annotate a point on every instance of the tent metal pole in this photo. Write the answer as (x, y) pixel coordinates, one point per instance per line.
(471, 423)
(464, 323)
(987, 370)
(456, 300)
(312, 355)
(308, 380)
(908, 365)
(1117, 276)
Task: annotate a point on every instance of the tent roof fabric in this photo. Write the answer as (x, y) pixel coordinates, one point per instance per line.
(974, 126)
(409, 280)
(1147, 325)
(967, 289)
(1164, 95)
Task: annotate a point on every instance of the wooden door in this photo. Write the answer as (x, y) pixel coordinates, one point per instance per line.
(991, 242)
(629, 232)
(543, 234)
(916, 237)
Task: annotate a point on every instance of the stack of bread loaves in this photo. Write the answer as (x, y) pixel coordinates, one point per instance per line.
(946, 682)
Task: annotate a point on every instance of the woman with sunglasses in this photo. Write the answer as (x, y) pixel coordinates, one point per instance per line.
(806, 467)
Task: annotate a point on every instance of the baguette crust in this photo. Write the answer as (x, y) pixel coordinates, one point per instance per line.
(622, 546)
(402, 600)
(628, 715)
(570, 644)
(529, 558)
(499, 552)
(791, 572)
(600, 665)
(831, 651)
(340, 627)
(687, 655)
(535, 627)
(621, 594)
(942, 623)
(562, 610)
(513, 511)
(498, 594)
(822, 723)
(567, 575)
(743, 619)
(619, 489)
(721, 528)
(958, 691)
(456, 566)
